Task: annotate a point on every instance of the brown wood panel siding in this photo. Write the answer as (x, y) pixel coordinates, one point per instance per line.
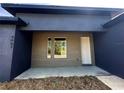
(39, 49)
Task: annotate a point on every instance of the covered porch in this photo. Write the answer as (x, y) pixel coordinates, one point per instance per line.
(60, 49)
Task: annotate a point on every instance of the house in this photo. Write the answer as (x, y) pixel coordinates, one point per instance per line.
(47, 35)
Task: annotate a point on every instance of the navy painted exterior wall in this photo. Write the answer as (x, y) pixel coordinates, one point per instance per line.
(21, 53)
(63, 22)
(109, 49)
(7, 32)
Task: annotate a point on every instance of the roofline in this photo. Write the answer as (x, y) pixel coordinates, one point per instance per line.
(114, 21)
(53, 9)
(54, 6)
(12, 21)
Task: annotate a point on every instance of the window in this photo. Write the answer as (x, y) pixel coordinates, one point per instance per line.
(49, 48)
(60, 48)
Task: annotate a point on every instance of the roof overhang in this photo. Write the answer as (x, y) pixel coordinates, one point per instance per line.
(12, 21)
(114, 21)
(52, 9)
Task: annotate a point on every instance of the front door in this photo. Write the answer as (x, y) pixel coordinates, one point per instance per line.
(86, 50)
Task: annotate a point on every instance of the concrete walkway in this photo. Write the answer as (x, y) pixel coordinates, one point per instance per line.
(62, 71)
(114, 82)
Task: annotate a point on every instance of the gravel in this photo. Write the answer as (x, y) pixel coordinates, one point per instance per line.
(56, 83)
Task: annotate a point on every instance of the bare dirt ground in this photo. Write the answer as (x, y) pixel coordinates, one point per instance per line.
(56, 83)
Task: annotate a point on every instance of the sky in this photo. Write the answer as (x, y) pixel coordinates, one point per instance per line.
(80, 3)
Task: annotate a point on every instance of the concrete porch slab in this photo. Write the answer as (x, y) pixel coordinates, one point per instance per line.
(62, 71)
(114, 82)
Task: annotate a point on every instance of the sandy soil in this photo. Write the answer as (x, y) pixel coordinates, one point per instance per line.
(56, 83)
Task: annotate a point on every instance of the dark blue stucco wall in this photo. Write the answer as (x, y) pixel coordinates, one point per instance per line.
(109, 49)
(6, 50)
(21, 53)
